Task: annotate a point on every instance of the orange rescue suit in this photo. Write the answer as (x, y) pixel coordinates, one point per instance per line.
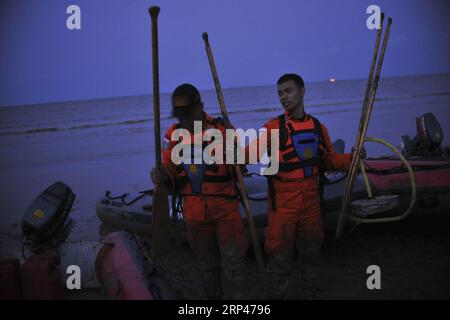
(294, 199)
(211, 213)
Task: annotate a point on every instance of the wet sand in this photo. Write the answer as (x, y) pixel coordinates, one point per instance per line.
(413, 256)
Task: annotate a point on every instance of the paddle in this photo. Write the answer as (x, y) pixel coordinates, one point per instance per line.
(251, 225)
(364, 124)
(366, 99)
(372, 68)
(160, 213)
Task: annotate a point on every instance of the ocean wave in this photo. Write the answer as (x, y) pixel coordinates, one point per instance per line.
(310, 105)
(262, 109)
(413, 96)
(80, 127)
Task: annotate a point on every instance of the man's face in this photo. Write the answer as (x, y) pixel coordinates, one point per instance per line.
(194, 114)
(290, 95)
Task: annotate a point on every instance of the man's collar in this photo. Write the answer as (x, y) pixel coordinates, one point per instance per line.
(304, 118)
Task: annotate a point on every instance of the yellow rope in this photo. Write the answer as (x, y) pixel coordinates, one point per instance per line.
(366, 180)
(411, 177)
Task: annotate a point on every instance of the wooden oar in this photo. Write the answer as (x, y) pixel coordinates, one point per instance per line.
(366, 98)
(361, 135)
(370, 79)
(161, 243)
(251, 225)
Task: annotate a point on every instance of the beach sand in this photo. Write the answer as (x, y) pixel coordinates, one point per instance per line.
(412, 255)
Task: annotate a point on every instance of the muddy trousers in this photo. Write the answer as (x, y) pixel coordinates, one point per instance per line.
(279, 271)
(296, 220)
(221, 244)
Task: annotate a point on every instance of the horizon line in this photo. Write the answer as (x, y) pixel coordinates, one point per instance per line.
(204, 89)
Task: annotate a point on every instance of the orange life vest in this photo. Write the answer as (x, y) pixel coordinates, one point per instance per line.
(301, 148)
(203, 179)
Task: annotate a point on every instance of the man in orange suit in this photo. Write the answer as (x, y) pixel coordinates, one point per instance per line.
(294, 214)
(210, 200)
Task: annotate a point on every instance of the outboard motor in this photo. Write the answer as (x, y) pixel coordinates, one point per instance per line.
(428, 140)
(44, 222)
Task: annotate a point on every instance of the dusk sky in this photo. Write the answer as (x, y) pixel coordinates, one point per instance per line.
(253, 41)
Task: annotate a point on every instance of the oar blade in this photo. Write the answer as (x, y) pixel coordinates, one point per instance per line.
(161, 240)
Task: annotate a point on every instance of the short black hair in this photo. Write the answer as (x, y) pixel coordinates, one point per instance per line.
(188, 91)
(292, 76)
(191, 97)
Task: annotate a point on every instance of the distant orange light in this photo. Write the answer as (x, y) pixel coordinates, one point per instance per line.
(332, 80)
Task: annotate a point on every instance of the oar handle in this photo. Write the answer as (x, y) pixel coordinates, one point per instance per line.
(372, 68)
(212, 64)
